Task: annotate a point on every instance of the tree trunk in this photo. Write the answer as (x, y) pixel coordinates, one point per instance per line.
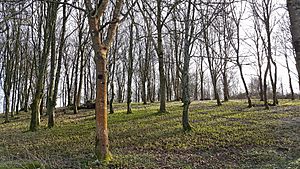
(237, 51)
(270, 60)
(213, 72)
(289, 75)
(177, 60)
(41, 67)
(82, 63)
(185, 71)
(101, 147)
(225, 86)
(261, 94)
(274, 83)
(13, 99)
(50, 98)
(216, 93)
(6, 108)
(119, 93)
(100, 49)
(14, 67)
(55, 76)
(201, 76)
(196, 86)
(266, 86)
(145, 73)
(160, 53)
(35, 110)
(112, 86)
(154, 83)
(27, 90)
(202, 85)
(226, 51)
(149, 91)
(75, 102)
(294, 12)
(130, 68)
(7, 61)
(245, 85)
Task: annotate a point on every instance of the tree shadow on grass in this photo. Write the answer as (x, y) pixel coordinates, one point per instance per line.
(131, 117)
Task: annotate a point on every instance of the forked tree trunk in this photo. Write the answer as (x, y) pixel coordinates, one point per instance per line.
(100, 49)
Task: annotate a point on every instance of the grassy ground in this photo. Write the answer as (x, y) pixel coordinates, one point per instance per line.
(230, 136)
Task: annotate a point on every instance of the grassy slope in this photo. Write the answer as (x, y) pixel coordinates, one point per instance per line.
(230, 136)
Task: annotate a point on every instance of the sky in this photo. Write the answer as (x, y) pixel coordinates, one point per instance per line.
(279, 21)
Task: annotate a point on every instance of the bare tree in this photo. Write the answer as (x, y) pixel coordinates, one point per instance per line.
(285, 41)
(264, 11)
(49, 33)
(160, 54)
(55, 70)
(188, 32)
(7, 65)
(159, 23)
(101, 46)
(213, 62)
(236, 18)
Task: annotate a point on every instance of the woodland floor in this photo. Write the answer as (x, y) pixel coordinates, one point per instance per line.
(230, 136)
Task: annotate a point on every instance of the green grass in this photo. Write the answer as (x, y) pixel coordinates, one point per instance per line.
(229, 136)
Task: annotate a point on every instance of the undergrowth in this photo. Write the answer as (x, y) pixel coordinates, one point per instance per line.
(228, 136)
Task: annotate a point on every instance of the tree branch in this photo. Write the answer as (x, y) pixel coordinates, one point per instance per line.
(113, 26)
